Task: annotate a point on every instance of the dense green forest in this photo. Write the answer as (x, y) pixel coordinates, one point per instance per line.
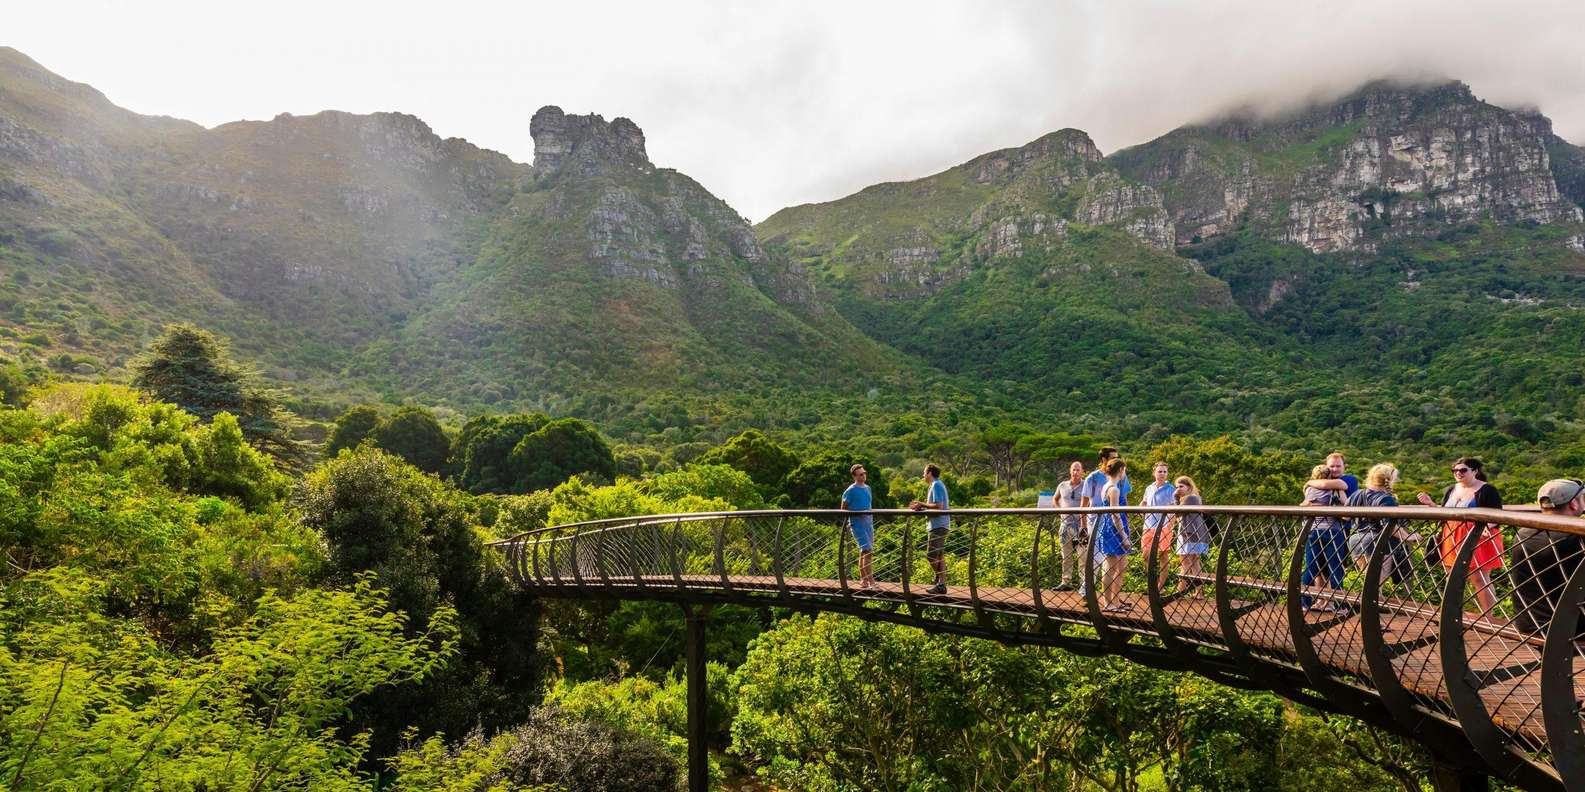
(191, 603)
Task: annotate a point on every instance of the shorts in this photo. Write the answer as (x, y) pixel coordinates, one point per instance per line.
(1362, 544)
(936, 544)
(1160, 537)
(863, 532)
(1193, 548)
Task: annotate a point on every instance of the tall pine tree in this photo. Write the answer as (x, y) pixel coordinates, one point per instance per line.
(190, 368)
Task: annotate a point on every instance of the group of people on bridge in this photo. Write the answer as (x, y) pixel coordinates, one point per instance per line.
(1540, 561)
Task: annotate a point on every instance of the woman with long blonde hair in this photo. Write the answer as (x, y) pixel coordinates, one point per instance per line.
(1194, 536)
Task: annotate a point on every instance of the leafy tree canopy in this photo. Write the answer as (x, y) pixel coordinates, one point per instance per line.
(417, 536)
(483, 451)
(559, 449)
(190, 368)
(413, 434)
(818, 481)
(755, 454)
(352, 427)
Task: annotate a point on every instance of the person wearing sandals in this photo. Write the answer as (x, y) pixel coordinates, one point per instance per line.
(1194, 536)
(1326, 543)
(1471, 491)
(1365, 532)
(1112, 546)
(857, 497)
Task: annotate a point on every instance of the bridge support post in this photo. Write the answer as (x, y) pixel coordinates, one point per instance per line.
(698, 701)
(1446, 777)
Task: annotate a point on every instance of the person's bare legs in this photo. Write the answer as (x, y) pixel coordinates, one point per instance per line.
(1188, 566)
(1484, 596)
(1115, 565)
(866, 576)
(1164, 546)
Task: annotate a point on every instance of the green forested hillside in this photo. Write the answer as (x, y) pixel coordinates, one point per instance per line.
(362, 257)
(1289, 280)
(1309, 290)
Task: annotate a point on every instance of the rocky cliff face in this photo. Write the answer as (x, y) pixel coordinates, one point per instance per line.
(602, 262)
(585, 144)
(339, 242)
(1388, 161)
(905, 240)
(654, 225)
(1568, 167)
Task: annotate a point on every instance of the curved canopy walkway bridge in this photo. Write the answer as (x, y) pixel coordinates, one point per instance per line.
(1485, 667)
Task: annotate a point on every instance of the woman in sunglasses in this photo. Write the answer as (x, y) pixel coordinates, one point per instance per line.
(1471, 491)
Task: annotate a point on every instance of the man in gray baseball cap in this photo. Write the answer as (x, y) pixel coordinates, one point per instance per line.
(1544, 560)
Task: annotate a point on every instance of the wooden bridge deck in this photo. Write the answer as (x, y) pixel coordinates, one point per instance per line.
(1194, 619)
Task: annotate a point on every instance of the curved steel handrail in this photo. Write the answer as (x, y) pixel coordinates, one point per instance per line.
(1259, 635)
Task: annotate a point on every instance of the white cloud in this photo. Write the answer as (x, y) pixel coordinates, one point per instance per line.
(771, 104)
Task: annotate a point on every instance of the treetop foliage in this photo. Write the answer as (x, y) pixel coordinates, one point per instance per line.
(190, 368)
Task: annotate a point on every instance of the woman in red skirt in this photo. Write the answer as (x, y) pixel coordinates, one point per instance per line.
(1471, 491)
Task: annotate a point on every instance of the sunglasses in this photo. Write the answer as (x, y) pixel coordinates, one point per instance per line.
(1461, 470)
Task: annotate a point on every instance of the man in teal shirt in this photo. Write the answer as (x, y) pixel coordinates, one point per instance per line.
(857, 497)
(936, 543)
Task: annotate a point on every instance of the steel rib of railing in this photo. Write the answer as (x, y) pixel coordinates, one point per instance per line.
(1423, 640)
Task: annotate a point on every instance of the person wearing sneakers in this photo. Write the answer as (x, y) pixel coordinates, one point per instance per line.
(936, 543)
(857, 497)
(1543, 560)
(1070, 537)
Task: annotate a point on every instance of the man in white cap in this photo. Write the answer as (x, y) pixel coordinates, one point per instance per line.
(1544, 560)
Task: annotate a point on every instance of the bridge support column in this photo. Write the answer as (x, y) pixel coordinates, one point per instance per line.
(698, 701)
(1446, 777)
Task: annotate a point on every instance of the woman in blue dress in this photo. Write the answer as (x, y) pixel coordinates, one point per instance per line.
(1112, 546)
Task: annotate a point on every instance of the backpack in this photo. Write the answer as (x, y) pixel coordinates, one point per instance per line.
(1368, 498)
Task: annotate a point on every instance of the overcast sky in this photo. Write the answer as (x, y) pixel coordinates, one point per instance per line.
(773, 104)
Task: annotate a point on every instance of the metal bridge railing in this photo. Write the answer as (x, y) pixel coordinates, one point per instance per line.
(1458, 627)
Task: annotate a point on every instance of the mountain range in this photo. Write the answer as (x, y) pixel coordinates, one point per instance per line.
(1391, 265)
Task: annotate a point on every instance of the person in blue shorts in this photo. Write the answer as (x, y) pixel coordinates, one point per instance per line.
(857, 497)
(935, 546)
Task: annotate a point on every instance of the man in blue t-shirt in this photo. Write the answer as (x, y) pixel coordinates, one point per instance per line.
(935, 546)
(857, 497)
(1340, 481)
(1095, 484)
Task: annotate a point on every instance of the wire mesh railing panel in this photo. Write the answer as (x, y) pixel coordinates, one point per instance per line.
(1413, 578)
(1258, 552)
(1502, 618)
(1335, 560)
(1003, 559)
(809, 549)
(1185, 562)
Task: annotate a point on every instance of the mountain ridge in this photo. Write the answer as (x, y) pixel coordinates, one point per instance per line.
(362, 257)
